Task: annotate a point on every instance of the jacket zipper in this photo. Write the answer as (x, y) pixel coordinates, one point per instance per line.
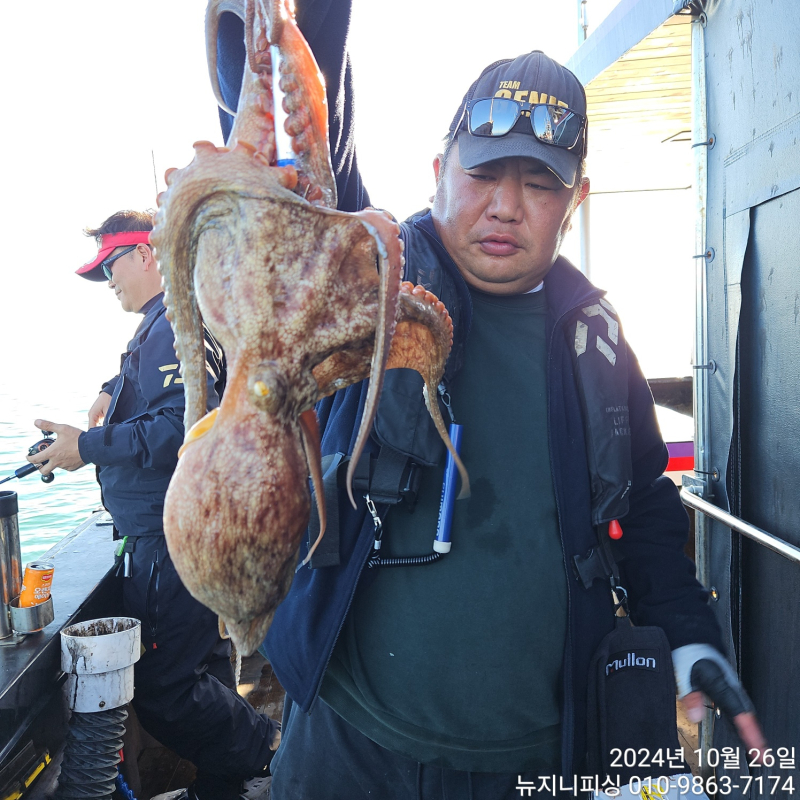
(383, 509)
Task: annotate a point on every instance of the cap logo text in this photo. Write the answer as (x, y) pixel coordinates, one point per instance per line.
(526, 95)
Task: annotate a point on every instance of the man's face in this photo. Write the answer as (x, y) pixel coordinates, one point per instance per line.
(503, 222)
(127, 278)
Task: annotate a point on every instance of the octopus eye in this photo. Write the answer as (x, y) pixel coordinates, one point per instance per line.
(267, 387)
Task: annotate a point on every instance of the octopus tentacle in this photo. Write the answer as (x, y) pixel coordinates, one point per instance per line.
(305, 101)
(390, 248)
(249, 38)
(254, 120)
(311, 445)
(422, 342)
(175, 265)
(216, 8)
(200, 428)
(277, 12)
(422, 339)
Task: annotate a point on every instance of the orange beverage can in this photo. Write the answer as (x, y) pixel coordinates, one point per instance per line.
(36, 583)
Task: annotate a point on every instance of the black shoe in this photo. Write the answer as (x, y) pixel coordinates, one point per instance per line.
(257, 789)
(254, 789)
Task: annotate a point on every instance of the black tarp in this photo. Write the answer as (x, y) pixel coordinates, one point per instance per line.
(753, 304)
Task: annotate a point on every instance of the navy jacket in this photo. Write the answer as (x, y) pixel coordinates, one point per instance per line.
(659, 578)
(136, 449)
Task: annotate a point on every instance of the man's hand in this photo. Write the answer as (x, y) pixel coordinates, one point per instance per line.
(63, 453)
(700, 670)
(97, 413)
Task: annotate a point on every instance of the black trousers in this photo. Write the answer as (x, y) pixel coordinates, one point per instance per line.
(322, 757)
(184, 691)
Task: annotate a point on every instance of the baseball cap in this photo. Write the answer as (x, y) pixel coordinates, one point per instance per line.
(108, 241)
(530, 78)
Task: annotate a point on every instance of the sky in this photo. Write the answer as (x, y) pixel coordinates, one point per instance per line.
(100, 102)
(94, 94)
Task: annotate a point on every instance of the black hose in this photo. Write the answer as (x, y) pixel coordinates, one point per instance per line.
(91, 755)
(402, 561)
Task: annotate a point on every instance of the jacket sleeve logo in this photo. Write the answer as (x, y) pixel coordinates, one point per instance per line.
(170, 369)
(604, 310)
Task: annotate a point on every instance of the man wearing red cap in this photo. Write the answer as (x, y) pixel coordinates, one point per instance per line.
(185, 687)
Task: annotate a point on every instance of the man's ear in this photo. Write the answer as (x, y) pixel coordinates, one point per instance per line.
(145, 253)
(437, 167)
(580, 195)
(583, 192)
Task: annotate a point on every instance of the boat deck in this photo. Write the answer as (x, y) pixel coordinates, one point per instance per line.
(157, 769)
(32, 706)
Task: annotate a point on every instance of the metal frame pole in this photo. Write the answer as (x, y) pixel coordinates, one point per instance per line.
(10, 559)
(701, 361)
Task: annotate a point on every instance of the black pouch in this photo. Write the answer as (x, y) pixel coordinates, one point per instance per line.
(633, 726)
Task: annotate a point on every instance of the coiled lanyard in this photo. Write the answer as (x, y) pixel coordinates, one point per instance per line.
(442, 541)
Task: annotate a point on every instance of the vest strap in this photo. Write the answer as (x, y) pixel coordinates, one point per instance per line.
(389, 478)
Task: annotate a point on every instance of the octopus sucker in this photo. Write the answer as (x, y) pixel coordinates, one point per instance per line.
(304, 299)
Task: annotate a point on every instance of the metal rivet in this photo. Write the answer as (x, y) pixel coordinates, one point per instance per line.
(709, 254)
(714, 594)
(712, 140)
(715, 475)
(711, 366)
(102, 703)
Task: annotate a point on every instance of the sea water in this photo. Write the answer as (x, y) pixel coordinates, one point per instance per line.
(47, 512)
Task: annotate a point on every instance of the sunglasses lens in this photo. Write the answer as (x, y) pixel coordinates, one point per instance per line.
(493, 116)
(556, 125)
(106, 272)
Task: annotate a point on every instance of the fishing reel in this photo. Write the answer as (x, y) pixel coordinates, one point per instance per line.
(38, 447)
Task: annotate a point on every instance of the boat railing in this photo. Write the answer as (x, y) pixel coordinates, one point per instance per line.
(691, 498)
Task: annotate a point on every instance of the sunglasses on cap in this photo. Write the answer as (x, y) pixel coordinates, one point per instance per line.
(496, 116)
(106, 265)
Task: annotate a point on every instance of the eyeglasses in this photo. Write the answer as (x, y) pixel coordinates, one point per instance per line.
(106, 265)
(554, 125)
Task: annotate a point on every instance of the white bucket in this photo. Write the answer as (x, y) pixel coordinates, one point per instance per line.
(98, 656)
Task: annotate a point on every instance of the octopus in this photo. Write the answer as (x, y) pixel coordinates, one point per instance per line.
(304, 299)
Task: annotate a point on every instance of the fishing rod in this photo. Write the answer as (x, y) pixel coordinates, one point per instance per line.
(41, 445)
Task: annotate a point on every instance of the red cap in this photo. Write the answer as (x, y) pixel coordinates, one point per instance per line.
(108, 242)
